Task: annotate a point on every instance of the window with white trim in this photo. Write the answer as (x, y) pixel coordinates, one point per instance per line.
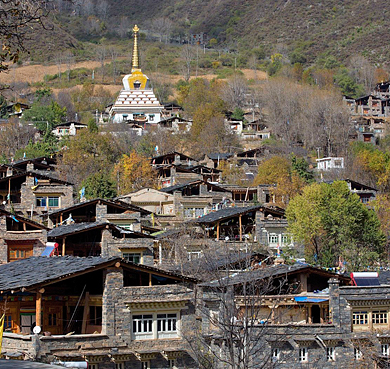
(166, 325)
(275, 354)
(119, 365)
(303, 355)
(133, 257)
(379, 317)
(155, 325)
(145, 364)
(330, 354)
(50, 201)
(273, 238)
(93, 366)
(143, 326)
(172, 363)
(360, 317)
(358, 355)
(385, 349)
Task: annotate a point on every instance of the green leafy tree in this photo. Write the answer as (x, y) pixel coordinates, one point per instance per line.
(301, 167)
(347, 85)
(45, 117)
(99, 185)
(334, 225)
(47, 146)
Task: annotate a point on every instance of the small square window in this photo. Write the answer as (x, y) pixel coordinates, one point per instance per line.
(385, 349)
(172, 363)
(41, 202)
(54, 202)
(303, 355)
(133, 257)
(330, 354)
(145, 364)
(357, 354)
(275, 354)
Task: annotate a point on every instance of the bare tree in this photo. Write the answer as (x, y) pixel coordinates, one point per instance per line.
(187, 56)
(114, 55)
(16, 19)
(235, 93)
(123, 27)
(68, 58)
(363, 72)
(102, 8)
(101, 57)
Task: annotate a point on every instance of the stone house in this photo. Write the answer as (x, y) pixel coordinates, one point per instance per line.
(32, 193)
(107, 311)
(299, 316)
(196, 198)
(68, 129)
(20, 237)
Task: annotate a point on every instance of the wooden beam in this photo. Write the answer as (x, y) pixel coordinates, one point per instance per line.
(38, 309)
(150, 279)
(240, 225)
(85, 313)
(218, 231)
(63, 246)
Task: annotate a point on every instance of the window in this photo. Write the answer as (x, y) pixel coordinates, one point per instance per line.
(379, 317)
(385, 349)
(143, 326)
(95, 315)
(357, 354)
(192, 255)
(360, 317)
(52, 319)
(284, 239)
(275, 354)
(303, 354)
(41, 202)
(153, 326)
(172, 363)
(188, 213)
(93, 366)
(145, 364)
(51, 201)
(8, 321)
(199, 212)
(133, 257)
(151, 117)
(166, 322)
(365, 200)
(273, 238)
(54, 201)
(119, 365)
(330, 354)
(17, 252)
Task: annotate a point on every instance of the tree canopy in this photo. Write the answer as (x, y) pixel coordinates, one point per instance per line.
(335, 226)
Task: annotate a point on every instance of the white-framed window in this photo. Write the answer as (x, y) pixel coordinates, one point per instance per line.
(379, 317)
(303, 355)
(155, 325)
(365, 200)
(151, 117)
(284, 239)
(360, 317)
(166, 325)
(192, 255)
(136, 258)
(330, 354)
(172, 363)
(119, 365)
(275, 354)
(143, 326)
(385, 349)
(273, 238)
(145, 364)
(93, 366)
(358, 355)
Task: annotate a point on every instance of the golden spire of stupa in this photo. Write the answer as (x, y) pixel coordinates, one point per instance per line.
(135, 58)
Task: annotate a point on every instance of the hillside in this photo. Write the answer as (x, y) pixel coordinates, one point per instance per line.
(342, 27)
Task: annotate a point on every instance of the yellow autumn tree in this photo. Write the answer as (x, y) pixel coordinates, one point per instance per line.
(133, 172)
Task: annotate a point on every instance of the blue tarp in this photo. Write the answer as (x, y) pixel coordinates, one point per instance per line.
(310, 299)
